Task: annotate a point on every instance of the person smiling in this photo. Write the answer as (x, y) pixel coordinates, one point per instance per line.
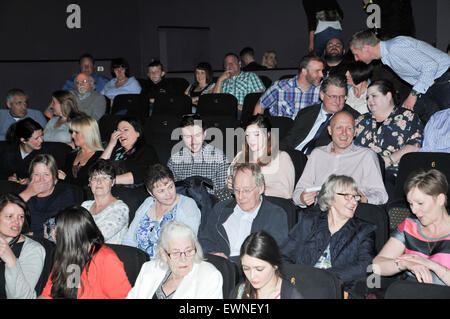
(21, 258)
(262, 263)
(419, 245)
(130, 153)
(330, 236)
(163, 205)
(178, 270)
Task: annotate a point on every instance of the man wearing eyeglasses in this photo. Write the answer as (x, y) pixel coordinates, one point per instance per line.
(308, 130)
(232, 220)
(17, 109)
(89, 101)
(341, 157)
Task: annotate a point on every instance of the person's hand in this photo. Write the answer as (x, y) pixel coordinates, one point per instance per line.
(410, 102)
(220, 255)
(230, 182)
(6, 254)
(13, 178)
(418, 265)
(363, 198)
(308, 198)
(195, 100)
(240, 107)
(114, 137)
(387, 161)
(36, 187)
(412, 148)
(225, 75)
(61, 175)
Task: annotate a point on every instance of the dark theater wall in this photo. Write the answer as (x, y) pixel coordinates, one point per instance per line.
(39, 51)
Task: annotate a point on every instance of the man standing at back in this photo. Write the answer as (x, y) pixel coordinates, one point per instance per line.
(423, 66)
(235, 82)
(287, 97)
(17, 104)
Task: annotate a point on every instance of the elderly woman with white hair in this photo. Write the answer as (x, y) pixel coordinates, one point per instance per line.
(330, 236)
(178, 270)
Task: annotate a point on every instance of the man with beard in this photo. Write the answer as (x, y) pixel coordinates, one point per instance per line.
(335, 58)
(89, 101)
(287, 97)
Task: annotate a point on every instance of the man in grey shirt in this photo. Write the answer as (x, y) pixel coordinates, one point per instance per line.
(89, 101)
(341, 156)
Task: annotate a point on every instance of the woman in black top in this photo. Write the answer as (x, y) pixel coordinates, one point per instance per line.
(203, 82)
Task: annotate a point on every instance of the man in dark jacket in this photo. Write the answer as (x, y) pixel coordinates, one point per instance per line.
(233, 220)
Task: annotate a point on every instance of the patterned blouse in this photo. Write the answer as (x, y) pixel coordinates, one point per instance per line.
(402, 127)
(149, 230)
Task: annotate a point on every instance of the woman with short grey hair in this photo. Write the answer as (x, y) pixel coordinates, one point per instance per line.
(178, 270)
(329, 236)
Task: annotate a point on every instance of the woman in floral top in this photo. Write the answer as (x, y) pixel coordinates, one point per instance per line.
(389, 130)
(163, 205)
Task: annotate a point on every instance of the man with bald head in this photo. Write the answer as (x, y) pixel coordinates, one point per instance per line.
(89, 101)
(341, 157)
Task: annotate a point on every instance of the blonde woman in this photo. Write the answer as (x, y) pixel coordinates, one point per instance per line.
(88, 148)
(270, 59)
(65, 108)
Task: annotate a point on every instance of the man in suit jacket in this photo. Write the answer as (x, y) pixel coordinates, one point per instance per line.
(234, 219)
(309, 128)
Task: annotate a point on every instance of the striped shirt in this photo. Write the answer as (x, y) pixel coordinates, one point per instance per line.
(436, 137)
(241, 85)
(436, 249)
(286, 98)
(415, 61)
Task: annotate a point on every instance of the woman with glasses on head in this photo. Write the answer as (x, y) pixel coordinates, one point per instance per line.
(388, 129)
(330, 236)
(178, 270)
(110, 214)
(88, 148)
(419, 246)
(163, 205)
(65, 108)
(121, 82)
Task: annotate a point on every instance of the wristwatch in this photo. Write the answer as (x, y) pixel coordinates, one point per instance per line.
(415, 93)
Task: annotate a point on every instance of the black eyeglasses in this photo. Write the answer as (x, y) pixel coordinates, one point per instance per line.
(350, 196)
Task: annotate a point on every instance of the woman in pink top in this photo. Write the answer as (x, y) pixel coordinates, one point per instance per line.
(419, 245)
(80, 250)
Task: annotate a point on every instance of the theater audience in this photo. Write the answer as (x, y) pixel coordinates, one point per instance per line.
(418, 246)
(203, 82)
(80, 247)
(89, 101)
(110, 214)
(341, 156)
(178, 270)
(88, 148)
(261, 147)
(196, 157)
(17, 109)
(87, 67)
(25, 141)
(287, 97)
(129, 152)
(65, 108)
(163, 205)
(358, 78)
(389, 130)
(122, 82)
(436, 136)
(235, 82)
(269, 59)
(21, 258)
(232, 220)
(423, 66)
(44, 195)
(330, 236)
(262, 264)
